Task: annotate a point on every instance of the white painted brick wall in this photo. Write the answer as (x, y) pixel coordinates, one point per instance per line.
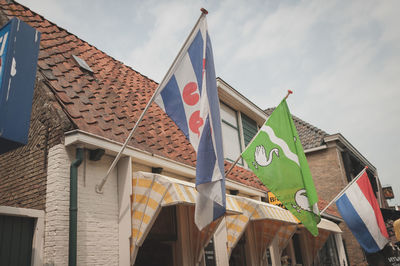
(57, 207)
(97, 213)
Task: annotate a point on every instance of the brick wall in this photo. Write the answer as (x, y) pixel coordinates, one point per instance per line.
(327, 172)
(57, 207)
(329, 178)
(97, 214)
(23, 170)
(97, 235)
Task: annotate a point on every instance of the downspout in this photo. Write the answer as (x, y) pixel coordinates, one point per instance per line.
(73, 207)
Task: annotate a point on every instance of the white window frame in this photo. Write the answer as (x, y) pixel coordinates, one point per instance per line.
(238, 128)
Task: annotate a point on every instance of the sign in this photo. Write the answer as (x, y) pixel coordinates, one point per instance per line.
(272, 199)
(19, 49)
(209, 254)
(389, 256)
(388, 192)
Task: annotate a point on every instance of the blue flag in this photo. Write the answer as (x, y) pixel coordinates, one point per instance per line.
(189, 96)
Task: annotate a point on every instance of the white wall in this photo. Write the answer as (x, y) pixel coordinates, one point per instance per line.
(97, 214)
(57, 207)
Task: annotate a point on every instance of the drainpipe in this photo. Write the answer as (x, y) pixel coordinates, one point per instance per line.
(73, 206)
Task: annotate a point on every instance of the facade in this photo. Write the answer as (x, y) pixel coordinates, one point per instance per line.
(81, 115)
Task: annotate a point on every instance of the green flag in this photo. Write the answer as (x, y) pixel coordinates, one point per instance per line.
(277, 157)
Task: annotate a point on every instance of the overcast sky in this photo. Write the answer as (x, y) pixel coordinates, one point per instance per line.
(341, 58)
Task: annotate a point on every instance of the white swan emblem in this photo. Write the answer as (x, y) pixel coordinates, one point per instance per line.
(260, 156)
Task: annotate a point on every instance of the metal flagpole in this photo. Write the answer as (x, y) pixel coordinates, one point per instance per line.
(240, 156)
(345, 188)
(99, 187)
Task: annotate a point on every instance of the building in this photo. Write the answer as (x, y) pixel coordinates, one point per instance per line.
(85, 103)
(334, 162)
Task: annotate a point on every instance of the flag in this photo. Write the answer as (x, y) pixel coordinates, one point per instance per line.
(189, 96)
(360, 210)
(276, 156)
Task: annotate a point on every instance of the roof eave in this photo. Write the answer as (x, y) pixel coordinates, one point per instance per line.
(339, 137)
(232, 97)
(92, 141)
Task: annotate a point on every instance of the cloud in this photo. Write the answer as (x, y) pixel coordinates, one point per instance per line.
(340, 57)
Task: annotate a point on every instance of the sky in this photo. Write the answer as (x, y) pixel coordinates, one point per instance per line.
(340, 58)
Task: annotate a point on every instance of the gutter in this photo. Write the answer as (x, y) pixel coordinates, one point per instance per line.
(73, 207)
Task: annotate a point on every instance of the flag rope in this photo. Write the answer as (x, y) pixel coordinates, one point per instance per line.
(240, 156)
(344, 189)
(99, 187)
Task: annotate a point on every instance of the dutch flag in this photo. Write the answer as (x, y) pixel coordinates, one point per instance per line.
(188, 94)
(360, 210)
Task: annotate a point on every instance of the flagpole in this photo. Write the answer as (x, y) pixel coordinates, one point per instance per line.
(99, 187)
(240, 156)
(344, 189)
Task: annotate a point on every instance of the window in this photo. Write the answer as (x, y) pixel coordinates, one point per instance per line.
(238, 256)
(230, 133)
(250, 129)
(161, 238)
(328, 255)
(237, 132)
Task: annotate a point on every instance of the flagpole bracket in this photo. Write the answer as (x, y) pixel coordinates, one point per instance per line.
(98, 189)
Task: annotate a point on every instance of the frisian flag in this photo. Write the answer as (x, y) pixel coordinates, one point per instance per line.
(360, 210)
(189, 96)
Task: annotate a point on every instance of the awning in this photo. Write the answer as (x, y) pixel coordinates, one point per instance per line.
(256, 211)
(263, 234)
(325, 228)
(285, 233)
(151, 192)
(329, 226)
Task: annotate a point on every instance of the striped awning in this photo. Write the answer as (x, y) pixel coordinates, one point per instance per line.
(263, 234)
(151, 192)
(284, 234)
(256, 211)
(329, 226)
(325, 228)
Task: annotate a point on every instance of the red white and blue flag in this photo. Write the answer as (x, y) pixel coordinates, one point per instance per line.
(360, 210)
(189, 96)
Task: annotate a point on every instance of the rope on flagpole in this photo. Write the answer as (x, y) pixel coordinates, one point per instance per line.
(344, 189)
(99, 187)
(240, 156)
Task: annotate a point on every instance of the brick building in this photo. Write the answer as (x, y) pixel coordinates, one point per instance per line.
(334, 162)
(80, 116)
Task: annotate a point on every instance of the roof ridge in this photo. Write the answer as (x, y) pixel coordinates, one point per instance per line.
(299, 120)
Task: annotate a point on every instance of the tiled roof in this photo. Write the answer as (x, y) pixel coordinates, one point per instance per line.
(331, 209)
(310, 136)
(244, 176)
(108, 101)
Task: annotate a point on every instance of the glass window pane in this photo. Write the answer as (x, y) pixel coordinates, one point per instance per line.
(249, 129)
(230, 139)
(228, 114)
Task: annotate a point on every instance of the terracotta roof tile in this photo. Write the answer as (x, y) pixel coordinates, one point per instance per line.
(310, 136)
(331, 210)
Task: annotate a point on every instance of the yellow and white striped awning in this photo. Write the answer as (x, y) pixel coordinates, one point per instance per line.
(256, 211)
(329, 226)
(151, 192)
(325, 228)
